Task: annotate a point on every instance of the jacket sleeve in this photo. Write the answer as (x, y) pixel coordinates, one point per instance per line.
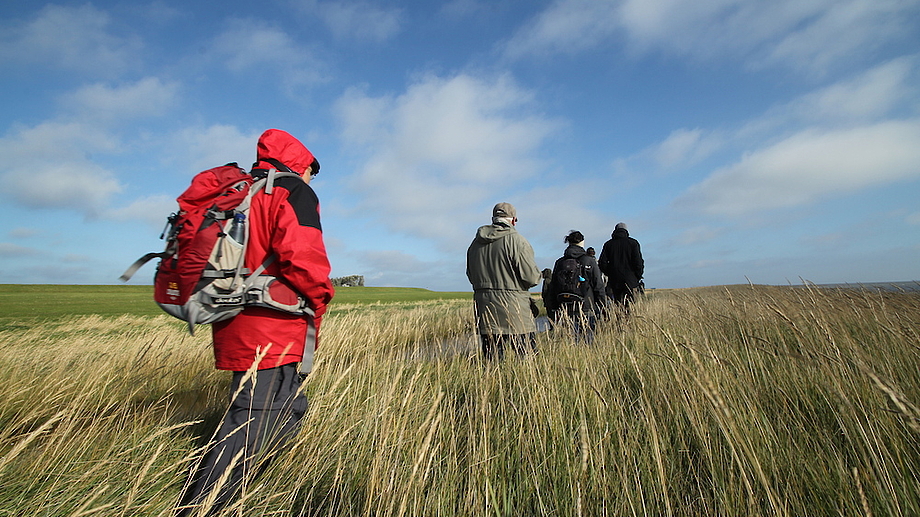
(298, 243)
(600, 288)
(638, 264)
(552, 291)
(602, 261)
(525, 264)
(597, 284)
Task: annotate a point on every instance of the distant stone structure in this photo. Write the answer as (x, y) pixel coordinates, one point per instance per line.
(349, 281)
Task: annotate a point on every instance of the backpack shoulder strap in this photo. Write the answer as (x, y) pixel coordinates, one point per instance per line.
(140, 262)
(274, 174)
(266, 184)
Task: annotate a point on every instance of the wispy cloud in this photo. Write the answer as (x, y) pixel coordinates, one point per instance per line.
(457, 9)
(356, 20)
(150, 209)
(853, 134)
(70, 38)
(548, 212)
(49, 167)
(398, 268)
(443, 146)
(810, 166)
(888, 89)
(253, 47)
(23, 232)
(810, 36)
(9, 250)
(57, 164)
(833, 31)
(566, 26)
(144, 98)
(198, 148)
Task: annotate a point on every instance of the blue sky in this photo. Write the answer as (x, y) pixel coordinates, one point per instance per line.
(769, 141)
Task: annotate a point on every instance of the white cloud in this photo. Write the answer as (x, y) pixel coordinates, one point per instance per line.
(73, 258)
(867, 97)
(809, 166)
(259, 46)
(711, 28)
(249, 46)
(546, 213)
(685, 147)
(566, 26)
(357, 20)
(824, 120)
(150, 209)
(70, 38)
(443, 146)
(699, 234)
(384, 268)
(144, 98)
(23, 232)
(14, 250)
(706, 264)
(392, 262)
(840, 30)
(913, 219)
(362, 118)
(85, 187)
(459, 9)
(158, 12)
(200, 148)
(49, 167)
(810, 35)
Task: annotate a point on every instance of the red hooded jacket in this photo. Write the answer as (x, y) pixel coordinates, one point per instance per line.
(284, 223)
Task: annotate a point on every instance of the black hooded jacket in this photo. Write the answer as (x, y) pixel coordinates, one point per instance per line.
(621, 260)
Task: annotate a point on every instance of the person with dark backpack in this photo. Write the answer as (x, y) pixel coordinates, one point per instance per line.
(576, 291)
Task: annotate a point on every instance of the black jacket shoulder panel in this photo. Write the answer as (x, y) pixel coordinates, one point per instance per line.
(303, 200)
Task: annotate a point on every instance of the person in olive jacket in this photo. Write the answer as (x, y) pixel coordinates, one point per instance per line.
(501, 268)
(621, 260)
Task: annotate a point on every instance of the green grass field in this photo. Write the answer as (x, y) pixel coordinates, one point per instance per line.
(55, 301)
(739, 401)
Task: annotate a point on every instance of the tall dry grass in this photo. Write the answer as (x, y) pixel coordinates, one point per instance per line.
(720, 401)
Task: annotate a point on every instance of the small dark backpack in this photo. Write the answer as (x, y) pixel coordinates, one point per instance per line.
(569, 277)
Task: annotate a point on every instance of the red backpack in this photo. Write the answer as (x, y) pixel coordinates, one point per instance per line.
(201, 277)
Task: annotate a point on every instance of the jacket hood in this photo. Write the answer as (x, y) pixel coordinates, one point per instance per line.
(493, 232)
(619, 233)
(280, 145)
(574, 251)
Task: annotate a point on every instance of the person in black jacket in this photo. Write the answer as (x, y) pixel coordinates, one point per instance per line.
(583, 298)
(621, 260)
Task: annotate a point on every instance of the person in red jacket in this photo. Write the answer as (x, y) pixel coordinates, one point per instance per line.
(261, 346)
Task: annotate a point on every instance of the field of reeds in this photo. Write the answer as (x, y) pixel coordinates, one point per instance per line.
(738, 401)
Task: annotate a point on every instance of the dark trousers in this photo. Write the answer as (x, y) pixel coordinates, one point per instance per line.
(622, 296)
(493, 345)
(262, 416)
(582, 321)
